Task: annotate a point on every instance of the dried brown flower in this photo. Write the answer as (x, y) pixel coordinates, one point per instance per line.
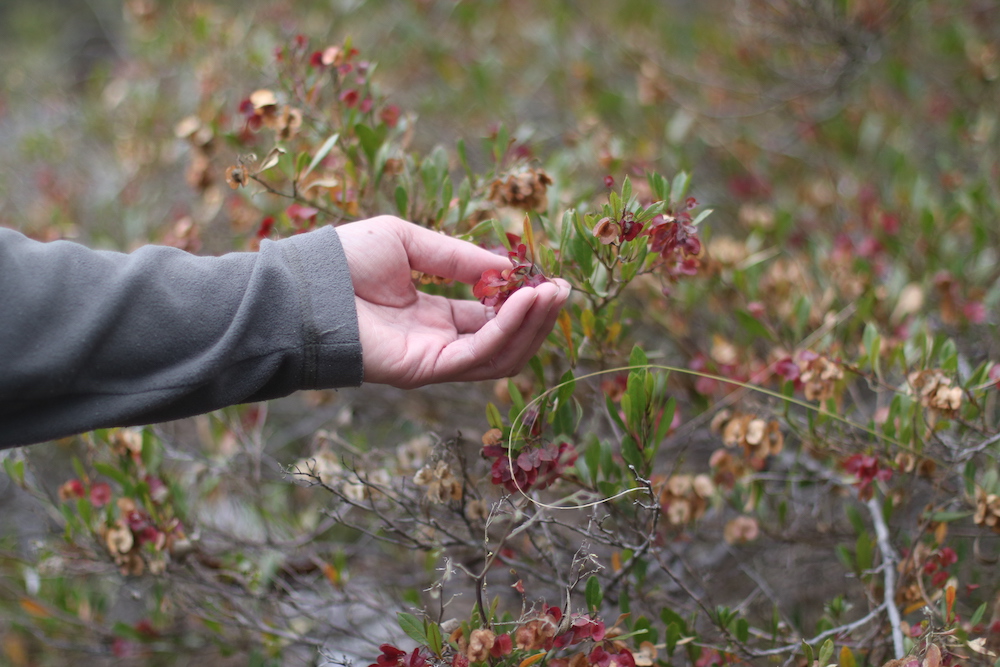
(480, 643)
(685, 498)
(237, 176)
(936, 392)
(819, 377)
(523, 189)
(740, 530)
(987, 510)
(441, 484)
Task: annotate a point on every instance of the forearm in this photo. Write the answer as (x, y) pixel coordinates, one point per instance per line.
(96, 339)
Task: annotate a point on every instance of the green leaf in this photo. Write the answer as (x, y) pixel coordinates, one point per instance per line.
(370, 140)
(658, 184)
(14, 469)
(464, 195)
(321, 154)
(742, 630)
(78, 468)
(516, 399)
(582, 251)
(592, 456)
(500, 145)
(126, 631)
(631, 453)
(635, 391)
(434, 640)
(864, 552)
(493, 416)
(625, 605)
(698, 219)
(152, 453)
(845, 556)
(464, 159)
(949, 357)
(673, 636)
(111, 472)
(826, 652)
(84, 508)
(413, 627)
(945, 517)
(568, 385)
(599, 278)
(638, 357)
(501, 234)
(593, 593)
(669, 616)
(666, 419)
(807, 651)
(854, 516)
(679, 188)
(752, 325)
(978, 616)
(402, 201)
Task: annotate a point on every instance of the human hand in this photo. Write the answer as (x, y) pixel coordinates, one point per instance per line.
(409, 338)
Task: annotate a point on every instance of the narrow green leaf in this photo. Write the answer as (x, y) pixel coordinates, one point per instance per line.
(636, 392)
(666, 419)
(369, 139)
(413, 627)
(568, 382)
(679, 187)
(742, 630)
(464, 195)
(78, 468)
(752, 325)
(599, 280)
(111, 472)
(631, 453)
(698, 219)
(669, 616)
(978, 615)
(807, 651)
(14, 469)
(501, 234)
(402, 201)
(463, 158)
(593, 593)
(493, 416)
(434, 640)
(126, 631)
(864, 552)
(826, 652)
(592, 456)
(321, 154)
(945, 517)
(673, 636)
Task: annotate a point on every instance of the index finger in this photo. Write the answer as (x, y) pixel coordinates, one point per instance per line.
(448, 257)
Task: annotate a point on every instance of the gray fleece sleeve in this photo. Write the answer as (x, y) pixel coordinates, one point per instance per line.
(93, 339)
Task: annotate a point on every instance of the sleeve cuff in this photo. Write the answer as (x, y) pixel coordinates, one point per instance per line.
(331, 342)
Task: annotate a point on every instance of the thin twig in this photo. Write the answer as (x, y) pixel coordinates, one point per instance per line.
(843, 629)
(889, 575)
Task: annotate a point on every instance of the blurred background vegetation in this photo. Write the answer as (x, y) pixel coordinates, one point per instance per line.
(848, 147)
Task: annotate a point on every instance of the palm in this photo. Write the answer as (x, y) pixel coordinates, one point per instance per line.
(410, 338)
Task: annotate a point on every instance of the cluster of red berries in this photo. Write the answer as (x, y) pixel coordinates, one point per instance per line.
(867, 469)
(394, 657)
(534, 467)
(675, 238)
(943, 559)
(495, 286)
